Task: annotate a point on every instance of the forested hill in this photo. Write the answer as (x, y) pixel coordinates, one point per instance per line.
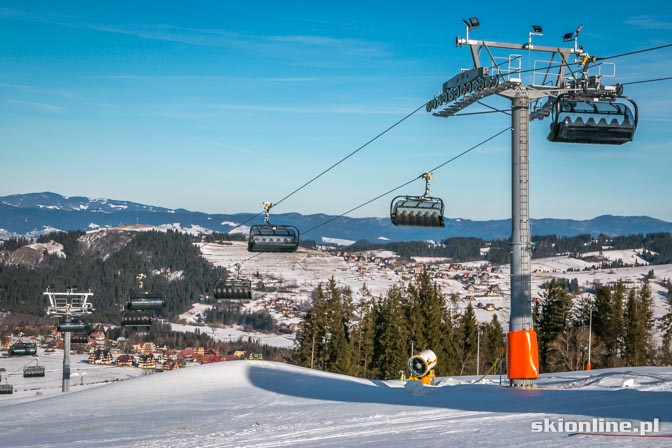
(656, 247)
(106, 262)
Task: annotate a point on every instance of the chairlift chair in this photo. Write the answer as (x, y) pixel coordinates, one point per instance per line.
(141, 304)
(418, 211)
(22, 349)
(236, 289)
(33, 371)
(269, 237)
(603, 121)
(79, 338)
(6, 389)
(72, 327)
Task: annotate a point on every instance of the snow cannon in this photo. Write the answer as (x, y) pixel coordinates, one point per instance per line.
(422, 366)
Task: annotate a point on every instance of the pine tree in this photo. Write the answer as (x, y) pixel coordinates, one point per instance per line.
(608, 325)
(638, 323)
(492, 340)
(465, 341)
(391, 348)
(553, 318)
(363, 333)
(309, 350)
(425, 305)
(666, 328)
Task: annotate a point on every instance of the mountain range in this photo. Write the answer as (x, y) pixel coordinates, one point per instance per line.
(35, 213)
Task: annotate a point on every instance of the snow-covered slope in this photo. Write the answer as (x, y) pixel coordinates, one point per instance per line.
(266, 404)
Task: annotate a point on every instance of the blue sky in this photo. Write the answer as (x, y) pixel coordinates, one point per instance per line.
(219, 106)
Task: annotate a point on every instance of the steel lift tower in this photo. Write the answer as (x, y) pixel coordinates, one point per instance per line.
(70, 307)
(567, 96)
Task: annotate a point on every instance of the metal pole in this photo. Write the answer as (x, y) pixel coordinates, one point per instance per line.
(66, 358)
(590, 333)
(521, 292)
(478, 351)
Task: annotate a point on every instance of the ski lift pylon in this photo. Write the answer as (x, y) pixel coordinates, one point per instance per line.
(420, 211)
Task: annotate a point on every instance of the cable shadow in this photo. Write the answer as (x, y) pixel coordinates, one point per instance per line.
(627, 404)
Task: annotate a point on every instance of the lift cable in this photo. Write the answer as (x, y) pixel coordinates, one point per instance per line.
(331, 167)
(422, 106)
(659, 47)
(647, 80)
(407, 183)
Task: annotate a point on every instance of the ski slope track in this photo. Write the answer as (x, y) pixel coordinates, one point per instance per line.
(267, 404)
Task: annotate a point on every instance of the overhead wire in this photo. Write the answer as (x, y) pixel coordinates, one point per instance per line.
(334, 165)
(350, 155)
(667, 78)
(629, 53)
(481, 143)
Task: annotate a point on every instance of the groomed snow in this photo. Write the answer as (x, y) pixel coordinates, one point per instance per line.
(267, 404)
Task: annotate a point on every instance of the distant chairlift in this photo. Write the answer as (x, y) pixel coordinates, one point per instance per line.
(140, 306)
(34, 371)
(605, 121)
(5, 389)
(238, 289)
(269, 237)
(420, 211)
(21, 348)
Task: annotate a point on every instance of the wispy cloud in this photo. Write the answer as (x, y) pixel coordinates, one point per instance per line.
(309, 109)
(209, 78)
(42, 107)
(647, 22)
(35, 89)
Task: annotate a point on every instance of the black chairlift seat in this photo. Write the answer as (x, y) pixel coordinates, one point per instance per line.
(22, 349)
(6, 389)
(33, 371)
(601, 122)
(233, 290)
(72, 327)
(145, 301)
(419, 211)
(135, 319)
(79, 338)
(273, 238)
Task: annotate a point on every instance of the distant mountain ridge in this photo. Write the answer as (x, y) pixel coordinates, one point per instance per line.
(35, 213)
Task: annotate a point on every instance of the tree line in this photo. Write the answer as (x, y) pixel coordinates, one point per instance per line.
(657, 247)
(622, 327)
(170, 260)
(374, 338)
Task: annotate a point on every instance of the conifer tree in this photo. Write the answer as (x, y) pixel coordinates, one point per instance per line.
(608, 323)
(666, 328)
(363, 333)
(553, 318)
(638, 321)
(466, 340)
(391, 347)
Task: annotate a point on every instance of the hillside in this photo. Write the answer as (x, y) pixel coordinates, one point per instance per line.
(36, 213)
(266, 404)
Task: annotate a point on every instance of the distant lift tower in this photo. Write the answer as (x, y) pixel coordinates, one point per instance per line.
(70, 307)
(582, 109)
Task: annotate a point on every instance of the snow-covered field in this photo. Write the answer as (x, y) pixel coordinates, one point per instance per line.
(298, 274)
(233, 333)
(82, 376)
(267, 404)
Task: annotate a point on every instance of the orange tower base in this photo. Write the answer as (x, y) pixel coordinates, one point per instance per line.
(522, 355)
